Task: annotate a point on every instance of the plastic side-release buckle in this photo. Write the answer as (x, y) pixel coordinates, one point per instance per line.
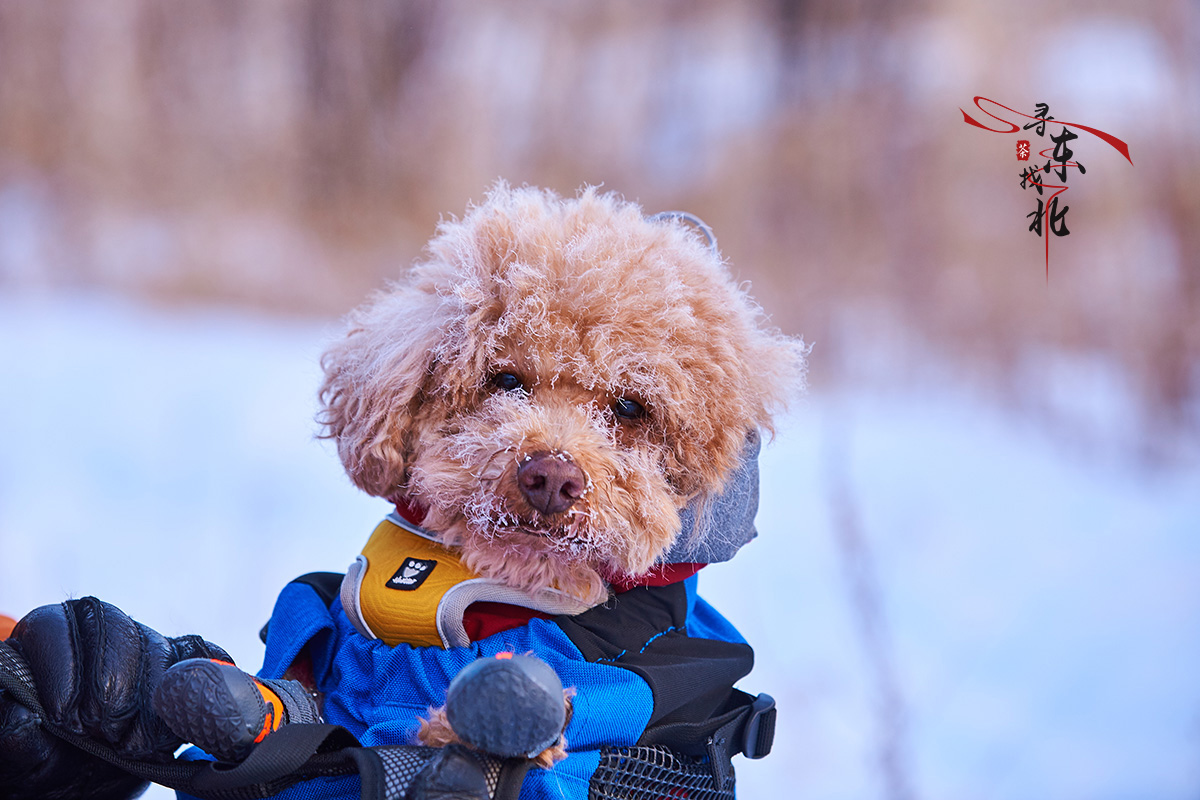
(760, 727)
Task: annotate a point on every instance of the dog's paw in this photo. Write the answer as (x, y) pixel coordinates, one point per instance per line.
(436, 731)
(225, 711)
(485, 699)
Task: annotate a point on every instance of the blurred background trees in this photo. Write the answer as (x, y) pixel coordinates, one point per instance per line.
(293, 155)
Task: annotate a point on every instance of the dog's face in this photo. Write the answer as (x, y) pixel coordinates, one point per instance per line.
(553, 385)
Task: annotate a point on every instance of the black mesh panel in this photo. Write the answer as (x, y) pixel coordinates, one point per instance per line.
(400, 766)
(654, 773)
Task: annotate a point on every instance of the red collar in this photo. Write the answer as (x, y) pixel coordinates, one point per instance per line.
(661, 575)
(413, 512)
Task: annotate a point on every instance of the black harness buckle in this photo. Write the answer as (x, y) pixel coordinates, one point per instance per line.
(759, 732)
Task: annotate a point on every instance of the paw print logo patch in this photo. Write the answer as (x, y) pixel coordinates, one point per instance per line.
(412, 574)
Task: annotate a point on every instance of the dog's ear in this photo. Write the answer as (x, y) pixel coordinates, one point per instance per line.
(730, 374)
(375, 380)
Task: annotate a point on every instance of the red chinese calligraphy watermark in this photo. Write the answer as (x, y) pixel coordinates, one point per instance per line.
(1048, 219)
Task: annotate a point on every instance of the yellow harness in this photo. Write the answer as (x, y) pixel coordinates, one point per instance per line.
(408, 588)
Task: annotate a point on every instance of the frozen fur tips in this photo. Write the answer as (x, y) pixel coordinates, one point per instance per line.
(553, 383)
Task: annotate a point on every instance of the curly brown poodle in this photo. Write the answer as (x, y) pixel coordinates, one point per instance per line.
(553, 384)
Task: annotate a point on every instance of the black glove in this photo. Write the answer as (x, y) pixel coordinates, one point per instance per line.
(95, 670)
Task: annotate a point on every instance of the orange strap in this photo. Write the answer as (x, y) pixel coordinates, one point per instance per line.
(6, 626)
(274, 716)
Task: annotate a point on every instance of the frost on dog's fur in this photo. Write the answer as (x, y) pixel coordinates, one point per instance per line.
(586, 302)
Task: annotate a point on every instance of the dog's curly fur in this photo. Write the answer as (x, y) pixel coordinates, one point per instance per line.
(586, 304)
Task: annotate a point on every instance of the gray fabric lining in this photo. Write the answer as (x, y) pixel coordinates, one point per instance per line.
(350, 591)
(709, 237)
(715, 528)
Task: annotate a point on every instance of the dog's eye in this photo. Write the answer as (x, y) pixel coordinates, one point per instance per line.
(625, 408)
(508, 382)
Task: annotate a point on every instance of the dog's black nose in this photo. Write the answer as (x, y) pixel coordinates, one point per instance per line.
(551, 482)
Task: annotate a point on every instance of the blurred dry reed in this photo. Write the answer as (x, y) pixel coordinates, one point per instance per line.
(293, 155)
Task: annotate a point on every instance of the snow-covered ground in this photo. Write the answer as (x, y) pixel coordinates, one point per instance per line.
(1041, 606)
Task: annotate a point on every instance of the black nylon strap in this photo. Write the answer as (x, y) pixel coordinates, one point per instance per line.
(289, 755)
(720, 748)
(508, 787)
(371, 772)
